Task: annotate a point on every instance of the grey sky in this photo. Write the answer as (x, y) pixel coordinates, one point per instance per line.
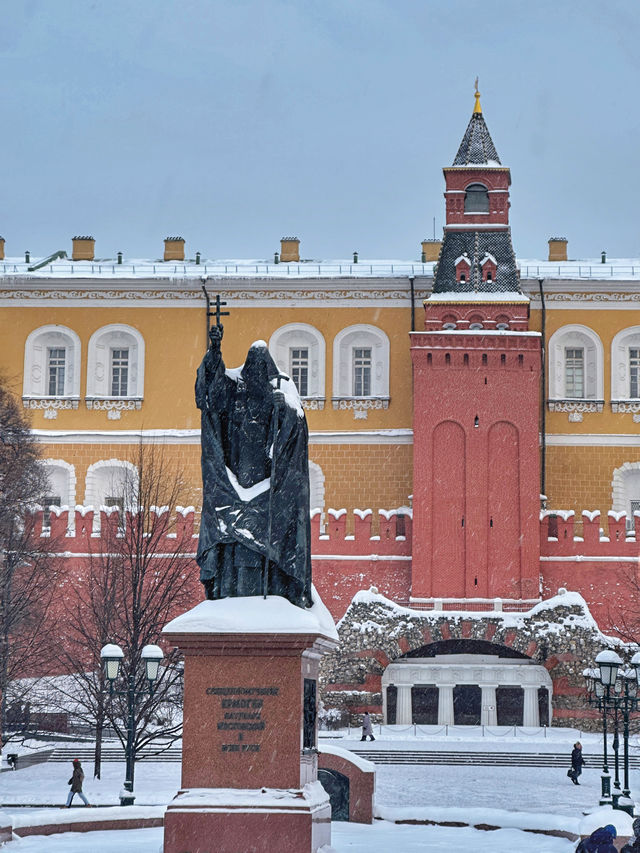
(236, 122)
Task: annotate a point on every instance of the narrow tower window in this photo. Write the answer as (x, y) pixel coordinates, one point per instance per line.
(476, 199)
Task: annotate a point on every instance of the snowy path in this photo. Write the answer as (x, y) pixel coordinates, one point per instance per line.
(346, 838)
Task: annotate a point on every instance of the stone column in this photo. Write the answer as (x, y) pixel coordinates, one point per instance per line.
(489, 712)
(403, 706)
(531, 709)
(445, 705)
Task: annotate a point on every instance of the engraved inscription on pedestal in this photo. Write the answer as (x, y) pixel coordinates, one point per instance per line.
(239, 714)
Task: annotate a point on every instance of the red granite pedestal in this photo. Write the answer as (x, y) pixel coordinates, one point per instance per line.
(249, 781)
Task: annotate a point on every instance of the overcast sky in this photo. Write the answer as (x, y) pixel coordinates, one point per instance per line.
(236, 122)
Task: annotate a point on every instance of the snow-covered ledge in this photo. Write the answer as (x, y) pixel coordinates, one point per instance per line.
(255, 615)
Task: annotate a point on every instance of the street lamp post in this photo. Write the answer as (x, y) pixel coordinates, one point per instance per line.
(614, 689)
(112, 656)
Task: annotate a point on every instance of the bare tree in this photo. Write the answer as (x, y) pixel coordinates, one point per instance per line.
(27, 562)
(140, 576)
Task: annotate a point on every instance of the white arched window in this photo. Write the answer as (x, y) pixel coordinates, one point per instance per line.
(111, 484)
(576, 370)
(299, 351)
(361, 369)
(115, 369)
(61, 490)
(625, 490)
(625, 370)
(316, 486)
(51, 370)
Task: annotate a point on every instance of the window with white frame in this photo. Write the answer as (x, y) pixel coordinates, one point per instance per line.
(625, 490)
(625, 365)
(111, 483)
(361, 371)
(51, 363)
(574, 372)
(60, 490)
(298, 349)
(115, 363)
(361, 362)
(576, 364)
(119, 372)
(299, 369)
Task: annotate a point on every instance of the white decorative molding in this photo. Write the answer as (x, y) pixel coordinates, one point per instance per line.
(575, 418)
(581, 337)
(192, 436)
(314, 404)
(113, 406)
(625, 407)
(99, 361)
(37, 344)
(301, 335)
(51, 405)
(581, 406)
(360, 405)
(316, 486)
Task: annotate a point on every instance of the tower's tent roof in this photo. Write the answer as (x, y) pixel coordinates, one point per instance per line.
(476, 245)
(477, 148)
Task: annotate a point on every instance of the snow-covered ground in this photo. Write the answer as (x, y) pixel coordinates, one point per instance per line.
(345, 838)
(512, 797)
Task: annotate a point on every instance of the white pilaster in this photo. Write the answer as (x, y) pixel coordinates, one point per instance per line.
(403, 707)
(445, 705)
(489, 713)
(531, 710)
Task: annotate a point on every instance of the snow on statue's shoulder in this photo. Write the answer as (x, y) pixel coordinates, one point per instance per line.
(255, 615)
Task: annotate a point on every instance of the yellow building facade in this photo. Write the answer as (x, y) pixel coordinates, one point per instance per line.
(104, 352)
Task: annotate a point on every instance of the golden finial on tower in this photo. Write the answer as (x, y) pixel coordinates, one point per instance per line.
(476, 107)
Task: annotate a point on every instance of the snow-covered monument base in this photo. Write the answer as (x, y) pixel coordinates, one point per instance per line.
(249, 759)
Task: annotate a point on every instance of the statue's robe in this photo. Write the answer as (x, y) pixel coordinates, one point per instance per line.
(252, 513)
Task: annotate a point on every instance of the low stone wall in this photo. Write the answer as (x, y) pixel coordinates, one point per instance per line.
(559, 634)
(362, 780)
(93, 821)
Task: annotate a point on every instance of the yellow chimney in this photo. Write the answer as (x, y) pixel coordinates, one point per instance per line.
(558, 248)
(174, 249)
(1, 248)
(289, 249)
(83, 249)
(431, 250)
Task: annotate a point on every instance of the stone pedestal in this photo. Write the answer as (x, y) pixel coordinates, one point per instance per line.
(249, 759)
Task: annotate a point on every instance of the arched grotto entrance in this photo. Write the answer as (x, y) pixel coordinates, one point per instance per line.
(466, 683)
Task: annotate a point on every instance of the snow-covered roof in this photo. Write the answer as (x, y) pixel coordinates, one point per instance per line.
(75, 272)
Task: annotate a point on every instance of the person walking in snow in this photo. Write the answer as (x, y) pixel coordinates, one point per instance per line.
(633, 845)
(600, 841)
(77, 778)
(367, 728)
(577, 761)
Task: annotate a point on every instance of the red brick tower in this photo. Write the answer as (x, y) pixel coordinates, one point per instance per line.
(476, 371)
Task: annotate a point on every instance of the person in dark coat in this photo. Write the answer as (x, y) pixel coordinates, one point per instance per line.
(367, 728)
(77, 778)
(600, 841)
(577, 761)
(633, 845)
